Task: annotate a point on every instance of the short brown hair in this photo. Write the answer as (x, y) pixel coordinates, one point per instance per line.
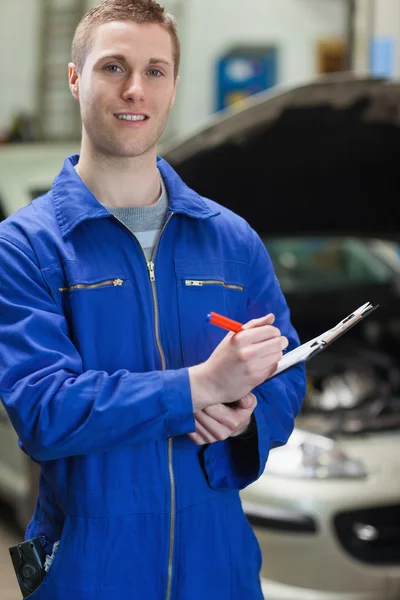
(138, 11)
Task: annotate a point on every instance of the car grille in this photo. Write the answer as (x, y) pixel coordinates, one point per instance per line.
(371, 535)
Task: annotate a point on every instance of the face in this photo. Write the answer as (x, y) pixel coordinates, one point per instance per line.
(126, 88)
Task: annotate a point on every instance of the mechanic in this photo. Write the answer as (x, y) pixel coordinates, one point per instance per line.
(146, 419)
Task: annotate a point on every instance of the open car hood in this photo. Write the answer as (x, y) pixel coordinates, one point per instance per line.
(321, 158)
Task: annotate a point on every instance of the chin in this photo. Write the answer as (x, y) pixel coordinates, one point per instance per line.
(123, 151)
(132, 153)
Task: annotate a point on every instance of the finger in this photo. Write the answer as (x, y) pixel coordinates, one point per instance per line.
(222, 413)
(240, 418)
(242, 429)
(269, 352)
(197, 439)
(212, 430)
(262, 350)
(266, 362)
(273, 367)
(205, 433)
(199, 435)
(268, 366)
(244, 415)
(256, 335)
(248, 402)
(267, 320)
(270, 346)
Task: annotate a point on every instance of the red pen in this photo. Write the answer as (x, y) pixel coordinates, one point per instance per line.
(224, 322)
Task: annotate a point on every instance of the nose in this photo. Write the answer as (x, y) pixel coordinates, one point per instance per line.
(134, 88)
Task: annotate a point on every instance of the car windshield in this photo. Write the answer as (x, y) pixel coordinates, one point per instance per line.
(304, 264)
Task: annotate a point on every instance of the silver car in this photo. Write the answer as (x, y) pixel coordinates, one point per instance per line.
(327, 508)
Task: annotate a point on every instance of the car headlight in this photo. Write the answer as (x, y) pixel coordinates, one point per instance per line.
(310, 456)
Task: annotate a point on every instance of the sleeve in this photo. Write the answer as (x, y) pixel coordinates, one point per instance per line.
(237, 462)
(57, 408)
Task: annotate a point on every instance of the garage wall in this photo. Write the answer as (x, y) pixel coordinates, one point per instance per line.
(293, 25)
(19, 30)
(385, 41)
(207, 28)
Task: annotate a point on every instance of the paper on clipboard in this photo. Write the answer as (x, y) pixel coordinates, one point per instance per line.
(307, 350)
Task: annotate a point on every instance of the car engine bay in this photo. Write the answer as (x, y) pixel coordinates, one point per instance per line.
(352, 388)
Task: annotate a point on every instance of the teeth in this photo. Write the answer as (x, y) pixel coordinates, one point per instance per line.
(131, 117)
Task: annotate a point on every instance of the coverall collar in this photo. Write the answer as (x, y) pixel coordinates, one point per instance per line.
(75, 203)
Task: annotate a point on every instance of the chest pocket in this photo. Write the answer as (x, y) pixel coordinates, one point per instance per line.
(75, 284)
(96, 297)
(116, 282)
(97, 304)
(204, 287)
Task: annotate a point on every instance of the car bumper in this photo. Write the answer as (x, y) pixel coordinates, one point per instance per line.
(279, 591)
(306, 556)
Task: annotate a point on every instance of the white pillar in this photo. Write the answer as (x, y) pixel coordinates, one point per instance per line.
(385, 42)
(377, 37)
(362, 32)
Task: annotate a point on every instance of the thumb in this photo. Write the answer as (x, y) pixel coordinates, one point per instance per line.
(247, 402)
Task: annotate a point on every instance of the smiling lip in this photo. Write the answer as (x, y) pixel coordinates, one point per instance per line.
(132, 118)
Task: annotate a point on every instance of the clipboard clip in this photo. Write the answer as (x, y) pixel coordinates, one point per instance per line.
(314, 346)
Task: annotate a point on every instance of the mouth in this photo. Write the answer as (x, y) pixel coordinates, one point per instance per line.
(136, 118)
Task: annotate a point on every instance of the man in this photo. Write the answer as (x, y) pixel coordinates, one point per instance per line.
(146, 420)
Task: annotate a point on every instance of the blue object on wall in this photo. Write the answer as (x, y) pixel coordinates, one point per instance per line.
(244, 71)
(382, 57)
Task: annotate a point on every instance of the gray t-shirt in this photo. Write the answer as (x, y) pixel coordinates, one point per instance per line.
(144, 221)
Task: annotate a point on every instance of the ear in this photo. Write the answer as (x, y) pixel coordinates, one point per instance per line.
(177, 80)
(73, 80)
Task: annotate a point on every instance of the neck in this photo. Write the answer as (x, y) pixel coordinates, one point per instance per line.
(117, 181)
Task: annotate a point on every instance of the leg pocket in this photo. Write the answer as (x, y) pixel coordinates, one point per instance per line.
(202, 553)
(136, 562)
(51, 575)
(76, 568)
(245, 555)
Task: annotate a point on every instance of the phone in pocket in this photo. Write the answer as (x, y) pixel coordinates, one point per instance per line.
(28, 560)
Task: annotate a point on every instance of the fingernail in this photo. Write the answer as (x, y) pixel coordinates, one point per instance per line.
(284, 343)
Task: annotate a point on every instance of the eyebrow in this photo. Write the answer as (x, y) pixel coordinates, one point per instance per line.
(163, 61)
(122, 58)
(119, 57)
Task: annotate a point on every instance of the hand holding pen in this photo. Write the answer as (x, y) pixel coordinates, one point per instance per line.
(242, 361)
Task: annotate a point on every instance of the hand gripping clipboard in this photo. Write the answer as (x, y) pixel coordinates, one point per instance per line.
(306, 351)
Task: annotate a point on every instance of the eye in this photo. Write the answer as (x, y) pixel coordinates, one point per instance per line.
(113, 69)
(155, 72)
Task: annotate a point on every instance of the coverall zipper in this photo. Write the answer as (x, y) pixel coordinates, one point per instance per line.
(150, 267)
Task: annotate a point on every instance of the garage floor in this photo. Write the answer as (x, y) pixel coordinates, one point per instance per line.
(9, 535)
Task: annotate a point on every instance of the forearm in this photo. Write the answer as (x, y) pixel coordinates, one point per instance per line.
(60, 415)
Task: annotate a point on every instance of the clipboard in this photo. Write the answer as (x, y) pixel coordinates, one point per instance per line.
(306, 351)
